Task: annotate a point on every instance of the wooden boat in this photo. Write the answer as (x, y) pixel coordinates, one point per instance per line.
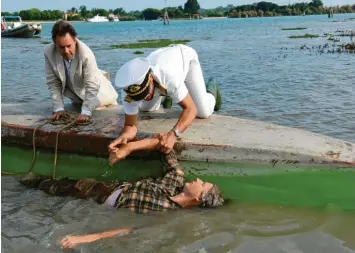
(249, 160)
(12, 26)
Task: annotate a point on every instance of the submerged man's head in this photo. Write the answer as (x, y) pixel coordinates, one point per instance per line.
(200, 193)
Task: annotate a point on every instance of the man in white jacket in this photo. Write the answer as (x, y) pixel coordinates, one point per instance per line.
(71, 71)
(173, 71)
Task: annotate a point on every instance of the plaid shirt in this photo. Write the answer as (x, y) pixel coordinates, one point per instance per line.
(154, 194)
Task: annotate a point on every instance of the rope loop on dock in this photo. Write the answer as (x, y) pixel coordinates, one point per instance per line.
(69, 121)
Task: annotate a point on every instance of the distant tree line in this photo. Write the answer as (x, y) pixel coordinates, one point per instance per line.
(36, 14)
(191, 7)
(268, 9)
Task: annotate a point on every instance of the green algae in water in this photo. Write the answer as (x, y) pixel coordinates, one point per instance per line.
(155, 43)
(305, 36)
(313, 186)
(293, 29)
(75, 166)
(164, 41)
(318, 189)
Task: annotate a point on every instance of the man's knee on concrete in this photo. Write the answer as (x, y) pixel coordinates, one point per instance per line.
(204, 114)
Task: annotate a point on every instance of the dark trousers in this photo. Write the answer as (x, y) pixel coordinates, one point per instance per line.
(84, 189)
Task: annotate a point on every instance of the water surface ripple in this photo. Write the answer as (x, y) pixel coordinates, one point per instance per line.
(263, 74)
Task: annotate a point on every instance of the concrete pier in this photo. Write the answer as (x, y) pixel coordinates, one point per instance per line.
(219, 138)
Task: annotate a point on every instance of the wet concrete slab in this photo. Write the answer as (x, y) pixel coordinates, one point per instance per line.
(219, 138)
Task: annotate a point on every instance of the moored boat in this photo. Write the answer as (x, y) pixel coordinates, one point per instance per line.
(98, 19)
(113, 18)
(12, 26)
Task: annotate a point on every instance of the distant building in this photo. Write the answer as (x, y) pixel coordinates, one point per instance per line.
(69, 14)
(196, 16)
(114, 18)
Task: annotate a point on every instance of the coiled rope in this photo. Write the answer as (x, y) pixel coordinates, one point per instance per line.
(66, 119)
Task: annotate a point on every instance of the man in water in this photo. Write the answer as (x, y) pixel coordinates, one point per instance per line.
(168, 192)
(72, 72)
(173, 71)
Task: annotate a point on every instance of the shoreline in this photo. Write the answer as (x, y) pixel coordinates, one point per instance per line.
(50, 21)
(83, 21)
(177, 19)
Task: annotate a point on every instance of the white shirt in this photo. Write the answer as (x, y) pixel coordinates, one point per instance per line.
(170, 67)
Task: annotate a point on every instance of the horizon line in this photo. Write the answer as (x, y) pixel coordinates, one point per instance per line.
(166, 7)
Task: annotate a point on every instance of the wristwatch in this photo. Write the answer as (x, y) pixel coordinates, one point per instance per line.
(176, 132)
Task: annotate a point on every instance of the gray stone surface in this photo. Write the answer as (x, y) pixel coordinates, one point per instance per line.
(219, 138)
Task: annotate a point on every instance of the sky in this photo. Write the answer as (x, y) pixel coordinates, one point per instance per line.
(128, 5)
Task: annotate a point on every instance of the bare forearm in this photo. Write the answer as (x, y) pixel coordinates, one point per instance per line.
(128, 133)
(73, 241)
(186, 118)
(130, 126)
(130, 130)
(112, 233)
(145, 144)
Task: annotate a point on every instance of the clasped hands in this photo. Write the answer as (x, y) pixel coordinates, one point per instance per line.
(119, 149)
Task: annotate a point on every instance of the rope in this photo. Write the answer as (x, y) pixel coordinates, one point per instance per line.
(65, 119)
(34, 145)
(7, 173)
(56, 148)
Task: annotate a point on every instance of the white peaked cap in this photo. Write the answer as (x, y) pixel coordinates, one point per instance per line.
(132, 72)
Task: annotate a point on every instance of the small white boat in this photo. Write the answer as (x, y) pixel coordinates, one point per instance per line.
(97, 19)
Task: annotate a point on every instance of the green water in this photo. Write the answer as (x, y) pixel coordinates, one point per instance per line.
(287, 185)
(274, 209)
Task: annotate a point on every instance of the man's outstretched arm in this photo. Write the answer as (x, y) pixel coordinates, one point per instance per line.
(72, 241)
(169, 160)
(124, 150)
(128, 133)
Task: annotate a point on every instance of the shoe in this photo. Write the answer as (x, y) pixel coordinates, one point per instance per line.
(212, 87)
(32, 180)
(167, 102)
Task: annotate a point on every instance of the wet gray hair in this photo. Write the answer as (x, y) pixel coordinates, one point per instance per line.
(212, 198)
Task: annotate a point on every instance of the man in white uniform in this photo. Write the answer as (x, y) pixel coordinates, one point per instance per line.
(172, 71)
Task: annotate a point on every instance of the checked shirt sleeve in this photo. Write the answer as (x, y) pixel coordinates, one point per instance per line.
(170, 163)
